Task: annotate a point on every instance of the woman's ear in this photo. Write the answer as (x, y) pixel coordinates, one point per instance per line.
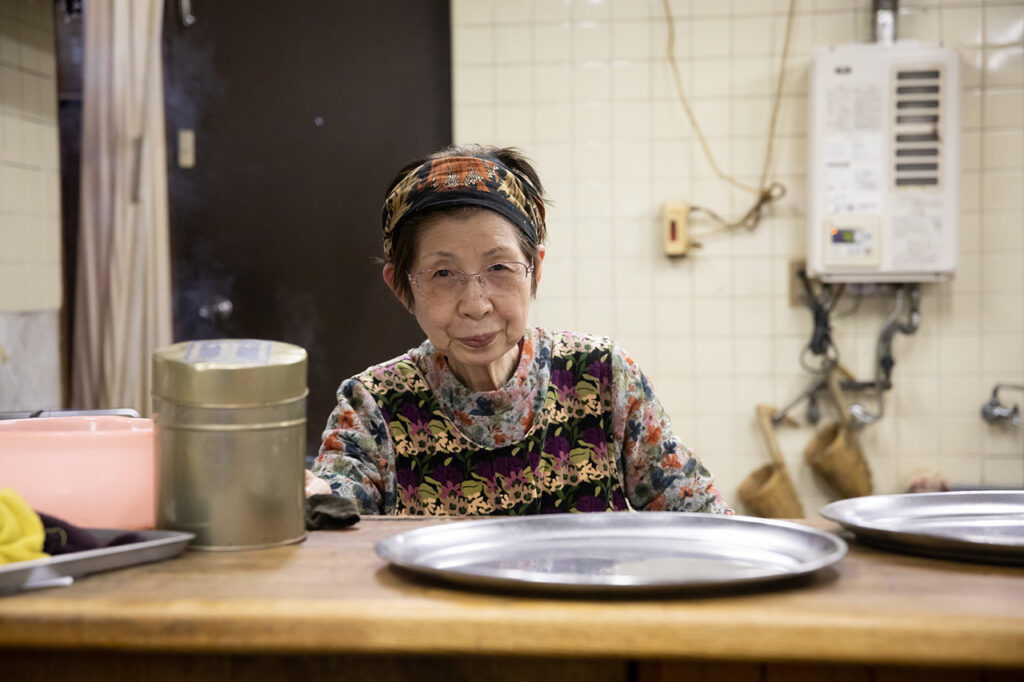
(541, 251)
(389, 278)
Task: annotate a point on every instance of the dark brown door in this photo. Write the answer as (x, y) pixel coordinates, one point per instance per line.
(302, 111)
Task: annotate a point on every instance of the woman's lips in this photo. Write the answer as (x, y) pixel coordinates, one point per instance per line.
(478, 341)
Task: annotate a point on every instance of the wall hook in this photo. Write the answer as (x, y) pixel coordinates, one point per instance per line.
(185, 13)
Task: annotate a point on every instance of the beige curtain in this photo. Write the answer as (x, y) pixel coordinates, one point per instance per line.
(123, 293)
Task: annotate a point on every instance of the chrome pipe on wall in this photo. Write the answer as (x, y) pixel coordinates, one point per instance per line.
(883, 13)
(994, 412)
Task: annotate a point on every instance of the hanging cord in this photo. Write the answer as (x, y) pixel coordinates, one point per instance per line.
(767, 193)
(821, 305)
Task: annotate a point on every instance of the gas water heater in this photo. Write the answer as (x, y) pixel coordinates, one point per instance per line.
(884, 163)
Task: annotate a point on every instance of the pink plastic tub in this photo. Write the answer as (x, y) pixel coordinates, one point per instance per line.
(93, 471)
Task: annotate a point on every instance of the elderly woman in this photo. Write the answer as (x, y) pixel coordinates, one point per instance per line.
(490, 415)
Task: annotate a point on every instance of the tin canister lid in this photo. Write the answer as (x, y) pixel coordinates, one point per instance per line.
(229, 372)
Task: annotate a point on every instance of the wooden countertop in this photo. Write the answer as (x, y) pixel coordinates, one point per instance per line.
(332, 594)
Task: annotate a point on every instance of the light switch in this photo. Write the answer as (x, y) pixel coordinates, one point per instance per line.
(674, 218)
(186, 148)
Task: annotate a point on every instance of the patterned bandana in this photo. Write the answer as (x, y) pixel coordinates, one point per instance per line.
(461, 181)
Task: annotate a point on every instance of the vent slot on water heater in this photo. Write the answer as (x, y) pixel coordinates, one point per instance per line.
(918, 114)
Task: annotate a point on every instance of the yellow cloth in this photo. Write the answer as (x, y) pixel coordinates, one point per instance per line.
(21, 530)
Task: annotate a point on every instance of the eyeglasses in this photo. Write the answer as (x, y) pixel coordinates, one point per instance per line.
(497, 278)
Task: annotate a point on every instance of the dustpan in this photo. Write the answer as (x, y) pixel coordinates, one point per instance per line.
(834, 453)
(768, 491)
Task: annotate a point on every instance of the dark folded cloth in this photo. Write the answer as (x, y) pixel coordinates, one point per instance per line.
(329, 512)
(62, 537)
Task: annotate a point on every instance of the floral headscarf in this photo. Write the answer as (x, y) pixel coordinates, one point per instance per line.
(460, 181)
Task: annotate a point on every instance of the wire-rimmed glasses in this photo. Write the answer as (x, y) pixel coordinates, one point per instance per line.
(496, 278)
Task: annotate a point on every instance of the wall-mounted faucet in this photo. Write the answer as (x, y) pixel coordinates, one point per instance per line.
(994, 411)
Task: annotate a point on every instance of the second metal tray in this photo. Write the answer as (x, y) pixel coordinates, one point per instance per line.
(155, 546)
(973, 525)
(614, 552)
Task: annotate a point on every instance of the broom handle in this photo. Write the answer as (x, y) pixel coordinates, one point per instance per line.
(764, 420)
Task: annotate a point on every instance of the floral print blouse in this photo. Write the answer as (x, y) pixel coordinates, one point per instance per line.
(576, 428)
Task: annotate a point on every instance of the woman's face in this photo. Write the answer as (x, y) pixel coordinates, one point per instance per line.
(477, 328)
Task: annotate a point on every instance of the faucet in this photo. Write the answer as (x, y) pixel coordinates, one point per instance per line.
(994, 411)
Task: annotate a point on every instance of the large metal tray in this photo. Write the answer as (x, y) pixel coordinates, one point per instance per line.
(614, 552)
(60, 569)
(973, 525)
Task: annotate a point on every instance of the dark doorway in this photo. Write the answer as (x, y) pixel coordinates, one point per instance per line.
(69, 46)
(301, 113)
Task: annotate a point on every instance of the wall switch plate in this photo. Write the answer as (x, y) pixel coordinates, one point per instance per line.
(674, 219)
(186, 148)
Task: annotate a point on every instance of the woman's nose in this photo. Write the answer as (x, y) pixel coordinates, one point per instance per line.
(474, 299)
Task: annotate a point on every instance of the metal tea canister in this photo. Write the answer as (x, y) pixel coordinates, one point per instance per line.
(230, 421)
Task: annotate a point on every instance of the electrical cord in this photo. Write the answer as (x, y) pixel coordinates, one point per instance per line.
(821, 304)
(772, 193)
(767, 193)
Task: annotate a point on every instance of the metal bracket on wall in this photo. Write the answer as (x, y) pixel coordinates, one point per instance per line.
(185, 13)
(994, 411)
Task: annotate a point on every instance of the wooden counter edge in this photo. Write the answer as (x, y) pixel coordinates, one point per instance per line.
(838, 639)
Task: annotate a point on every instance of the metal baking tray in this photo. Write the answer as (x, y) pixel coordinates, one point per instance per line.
(60, 569)
(614, 552)
(971, 525)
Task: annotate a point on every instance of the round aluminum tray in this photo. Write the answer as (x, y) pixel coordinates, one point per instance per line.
(976, 525)
(616, 552)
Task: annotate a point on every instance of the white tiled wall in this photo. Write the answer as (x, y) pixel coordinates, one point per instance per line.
(29, 361)
(30, 249)
(584, 87)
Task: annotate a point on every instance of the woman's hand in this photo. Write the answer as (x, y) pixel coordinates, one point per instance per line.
(316, 485)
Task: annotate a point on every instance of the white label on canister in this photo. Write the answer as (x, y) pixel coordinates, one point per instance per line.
(229, 351)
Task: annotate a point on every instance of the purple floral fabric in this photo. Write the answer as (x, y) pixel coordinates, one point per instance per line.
(576, 428)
